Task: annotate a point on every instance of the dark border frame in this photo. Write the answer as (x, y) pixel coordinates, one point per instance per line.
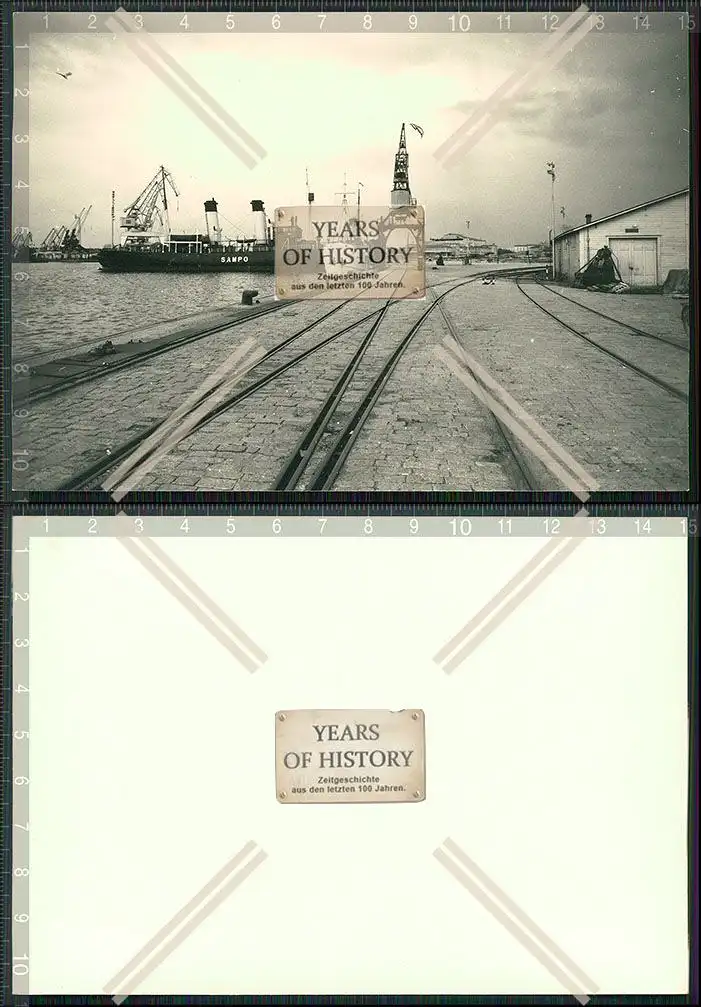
(413, 504)
(92, 498)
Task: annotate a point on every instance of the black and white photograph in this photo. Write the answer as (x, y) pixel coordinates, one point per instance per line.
(157, 157)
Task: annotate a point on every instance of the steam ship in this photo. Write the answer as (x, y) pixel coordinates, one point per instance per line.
(195, 253)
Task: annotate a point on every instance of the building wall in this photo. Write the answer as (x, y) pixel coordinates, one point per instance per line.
(459, 249)
(568, 257)
(667, 221)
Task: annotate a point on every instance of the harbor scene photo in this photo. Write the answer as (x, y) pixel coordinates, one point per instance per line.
(543, 343)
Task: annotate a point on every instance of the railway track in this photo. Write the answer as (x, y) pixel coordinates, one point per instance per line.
(322, 451)
(89, 371)
(642, 372)
(88, 478)
(524, 470)
(92, 476)
(27, 396)
(676, 344)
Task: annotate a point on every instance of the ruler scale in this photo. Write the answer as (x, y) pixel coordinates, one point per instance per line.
(356, 17)
(372, 522)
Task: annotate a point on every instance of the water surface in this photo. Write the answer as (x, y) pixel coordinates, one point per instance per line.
(68, 305)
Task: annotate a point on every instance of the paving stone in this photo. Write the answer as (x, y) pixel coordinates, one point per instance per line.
(427, 430)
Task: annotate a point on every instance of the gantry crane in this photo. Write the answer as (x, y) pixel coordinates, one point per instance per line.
(49, 239)
(72, 239)
(54, 239)
(22, 245)
(140, 215)
(66, 239)
(22, 238)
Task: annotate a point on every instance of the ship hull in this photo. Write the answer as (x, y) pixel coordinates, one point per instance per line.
(64, 258)
(119, 260)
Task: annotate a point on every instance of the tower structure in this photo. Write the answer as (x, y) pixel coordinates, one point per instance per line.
(401, 193)
(344, 196)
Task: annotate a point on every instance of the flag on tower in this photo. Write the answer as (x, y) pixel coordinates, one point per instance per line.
(417, 128)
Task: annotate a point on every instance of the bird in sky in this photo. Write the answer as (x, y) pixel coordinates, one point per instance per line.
(65, 75)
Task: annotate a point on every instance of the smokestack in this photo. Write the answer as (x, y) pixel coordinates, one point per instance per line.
(587, 218)
(260, 226)
(212, 218)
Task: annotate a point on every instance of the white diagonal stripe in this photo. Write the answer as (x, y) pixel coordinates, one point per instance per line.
(516, 922)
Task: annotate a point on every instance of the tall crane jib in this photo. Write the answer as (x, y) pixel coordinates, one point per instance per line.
(50, 240)
(65, 238)
(140, 216)
(21, 237)
(22, 245)
(72, 241)
(54, 239)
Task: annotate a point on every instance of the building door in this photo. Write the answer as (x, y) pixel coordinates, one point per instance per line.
(636, 259)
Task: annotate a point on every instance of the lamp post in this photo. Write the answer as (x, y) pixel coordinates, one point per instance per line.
(551, 172)
(468, 242)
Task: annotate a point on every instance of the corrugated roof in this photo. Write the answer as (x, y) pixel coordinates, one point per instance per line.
(620, 213)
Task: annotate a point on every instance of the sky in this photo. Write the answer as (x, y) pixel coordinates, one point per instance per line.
(613, 115)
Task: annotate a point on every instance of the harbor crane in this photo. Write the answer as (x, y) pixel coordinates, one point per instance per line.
(22, 238)
(22, 245)
(68, 238)
(54, 239)
(140, 215)
(72, 239)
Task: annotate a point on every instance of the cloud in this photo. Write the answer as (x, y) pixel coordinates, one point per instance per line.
(611, 115)
(546, 114)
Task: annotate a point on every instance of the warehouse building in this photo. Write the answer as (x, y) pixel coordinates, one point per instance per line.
(647, 241)
(457, 246)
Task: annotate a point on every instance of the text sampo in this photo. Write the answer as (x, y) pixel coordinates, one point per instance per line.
(348, 759)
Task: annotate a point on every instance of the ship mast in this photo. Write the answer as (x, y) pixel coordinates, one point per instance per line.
(344, 194)
(165, 202)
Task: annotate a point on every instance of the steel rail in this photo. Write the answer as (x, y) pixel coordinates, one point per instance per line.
(325, 476)
(42, 395)
(299, 459)
(106, 465)
(88, 476)
(529, 478)
(638, 332)
(664, 385)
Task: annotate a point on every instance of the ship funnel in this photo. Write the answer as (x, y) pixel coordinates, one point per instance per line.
(260, 223)
(212, 218)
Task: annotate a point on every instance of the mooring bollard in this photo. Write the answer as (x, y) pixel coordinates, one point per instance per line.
(247, 296)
